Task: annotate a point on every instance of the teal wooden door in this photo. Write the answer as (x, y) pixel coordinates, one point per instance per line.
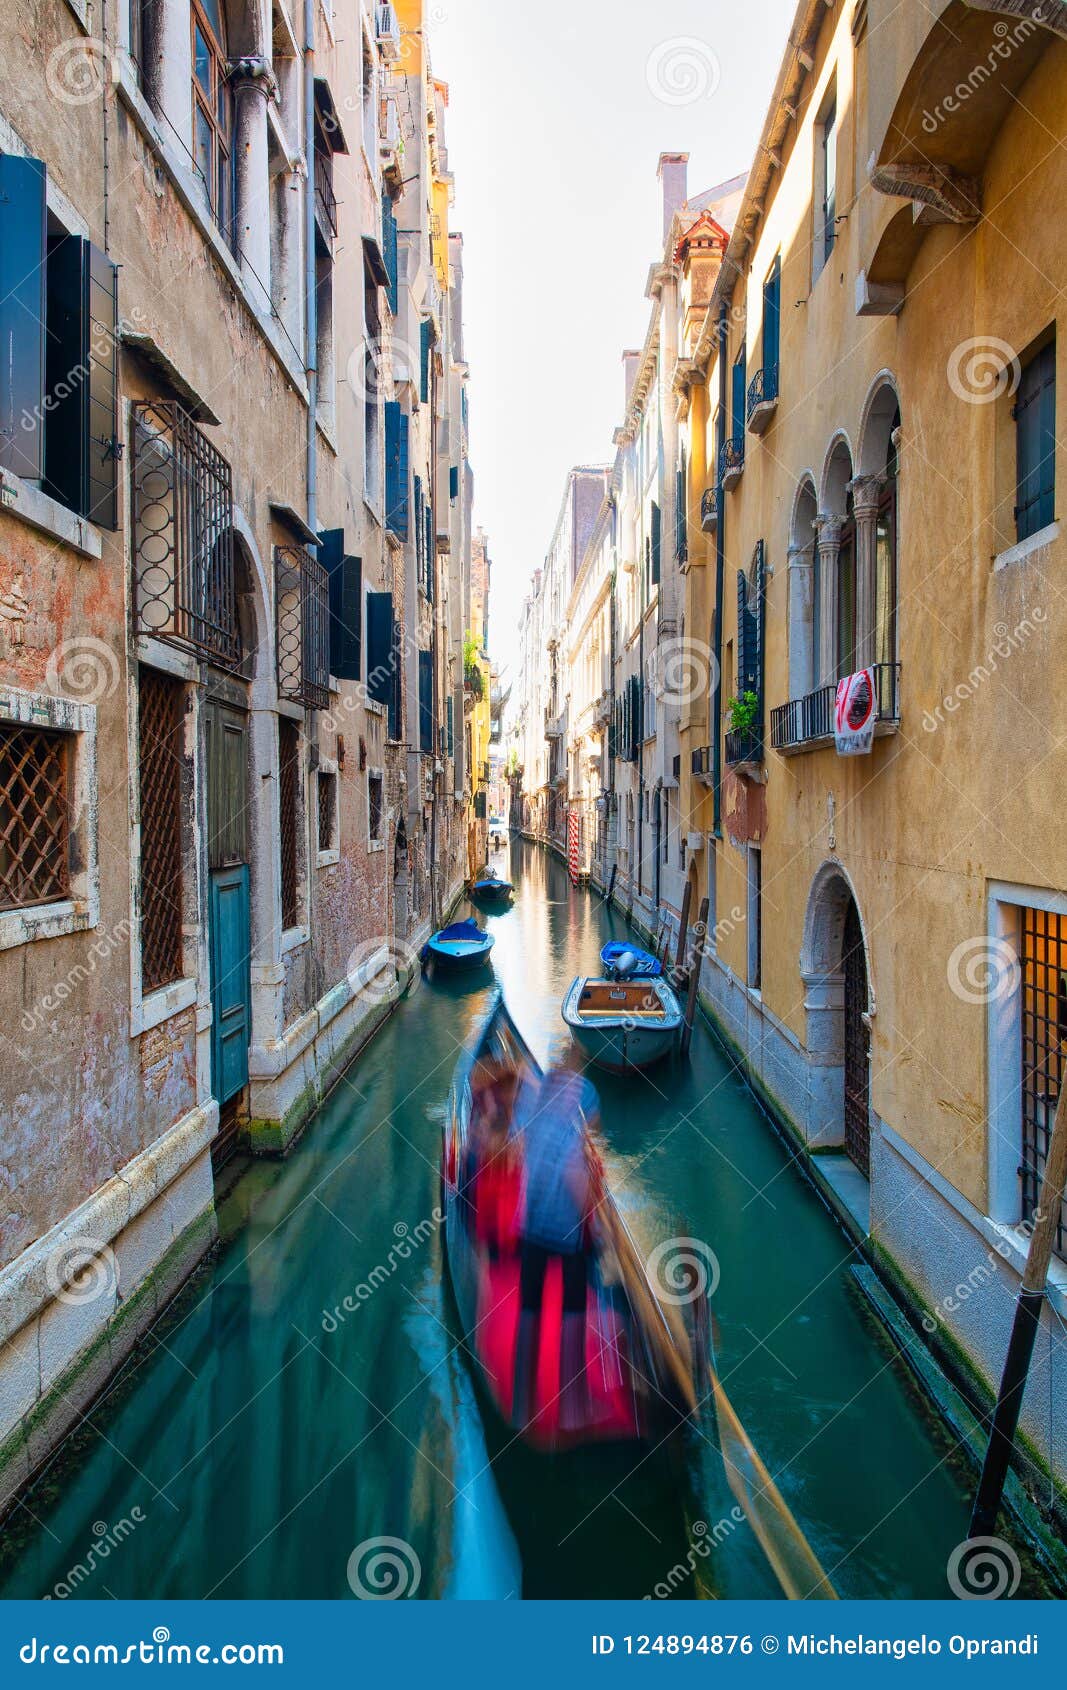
(231, 984)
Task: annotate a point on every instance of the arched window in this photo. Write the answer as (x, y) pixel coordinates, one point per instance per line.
(847, 630)
(212, 111)
(885, 558)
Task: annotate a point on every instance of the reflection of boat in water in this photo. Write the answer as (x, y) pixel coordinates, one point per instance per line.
(638, 1358)
(629, 962)
(463, 945)
(623, 1023)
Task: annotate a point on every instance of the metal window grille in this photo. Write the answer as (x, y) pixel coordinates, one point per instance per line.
(183, 535)
(288, 808)
(374, 794)
(327, 800)
(160, 709)
(34, 817)
(303, 619)
(1044, 1043)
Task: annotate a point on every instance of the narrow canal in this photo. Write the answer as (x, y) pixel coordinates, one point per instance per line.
(259, 1437)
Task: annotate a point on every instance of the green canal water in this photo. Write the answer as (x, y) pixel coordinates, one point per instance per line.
(257, 1440)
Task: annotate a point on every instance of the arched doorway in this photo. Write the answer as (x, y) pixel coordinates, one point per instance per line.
(838, 1002)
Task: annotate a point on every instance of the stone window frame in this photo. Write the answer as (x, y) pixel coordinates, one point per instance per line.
(80, 912)
(332, 856)
(376, 844)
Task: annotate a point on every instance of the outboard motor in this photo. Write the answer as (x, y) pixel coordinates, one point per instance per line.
(625, 963)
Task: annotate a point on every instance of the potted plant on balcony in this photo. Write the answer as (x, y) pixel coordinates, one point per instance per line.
(473, 684)
(744, 742)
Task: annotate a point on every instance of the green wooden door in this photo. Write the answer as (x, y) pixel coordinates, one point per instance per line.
(229, 915)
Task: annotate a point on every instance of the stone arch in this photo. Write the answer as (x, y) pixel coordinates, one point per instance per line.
(802, 587)
(831, 900)
(836, 476)
(255, 614)
(881, 410)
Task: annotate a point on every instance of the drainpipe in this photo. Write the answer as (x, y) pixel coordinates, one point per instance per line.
(720, 573)
(311, 321)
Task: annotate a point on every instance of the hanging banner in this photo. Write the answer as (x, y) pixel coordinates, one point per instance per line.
(572, 844)
(855, 714)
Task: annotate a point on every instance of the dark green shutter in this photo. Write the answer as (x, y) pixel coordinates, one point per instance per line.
(1035, 440)
(23, 223)
(738, 398)
(425, 700)
(657, 542)
(396, 469)
(425, 344)
(682, 516)
(389, 253)
(453, 481)
(380, 687)
(346, 606)
(420, 532)
(772, 315)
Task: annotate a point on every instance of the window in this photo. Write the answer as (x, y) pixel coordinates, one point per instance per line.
(426, 701)
(397, 469)
(212, 111)
(374, 806)
(370, 112)
(58, 350)
(1035, 444)
(737, 397)
(303, 627)
(34, 816)
(846, 597)
(681, 547)
(288, 813)
(160, 769)
(825, 232)
(327, 785)
(885, 560)
(755, 918)
(345, 575)
(1044, 1048)
(772, 329)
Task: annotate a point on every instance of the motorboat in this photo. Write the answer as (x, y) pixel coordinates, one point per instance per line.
(623, 1024)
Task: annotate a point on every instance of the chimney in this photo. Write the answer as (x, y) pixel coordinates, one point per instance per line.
(630, 361)
(673, 173)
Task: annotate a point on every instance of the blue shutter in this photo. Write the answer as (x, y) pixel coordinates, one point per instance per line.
(389, 253)
(1035, 441)
(420, 533)
(453, 481)
(23, 241)
(657, 542)
(682, 515)
(425, 700)
(396, 469)
(396, 714)
(345, 575)
(450, 725)
(425, 343)
(738, 399)
(380, 681)
(772, 317)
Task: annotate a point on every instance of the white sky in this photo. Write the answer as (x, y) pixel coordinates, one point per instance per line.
(558, 115)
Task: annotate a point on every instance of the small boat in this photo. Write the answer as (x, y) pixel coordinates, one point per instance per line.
(616, 959)
(623, 1023)
(491, 889)
(462, 945)
(640, 1362)
(498, 832)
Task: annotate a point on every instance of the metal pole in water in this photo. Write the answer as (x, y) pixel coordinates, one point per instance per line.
(1028, 1310)
(700, 933)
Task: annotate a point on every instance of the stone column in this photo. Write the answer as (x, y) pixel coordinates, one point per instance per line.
(828, 540)
(866, 492)
(824, 1005)
(801, 610)
(254, 85)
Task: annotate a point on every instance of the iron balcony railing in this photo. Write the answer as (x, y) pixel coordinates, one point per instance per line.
(762, 389)
(183, 565)
(325, 198)
(709, 509)
(303, 623)
(744, 745)
(810, 720)
(731, 461)
(702, 762)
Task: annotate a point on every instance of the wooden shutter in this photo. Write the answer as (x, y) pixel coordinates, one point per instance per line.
(450, 725)
(682, 515)
(420, 533)
(380, 647)
(396, 469)
(425, 344)
(750, 628)
(738, 398)
(772, 314)
(101, 488)
(396, 714)
(657, 542)
(389, 253)
(1035, 441)
(23, 224)
(81, 374)
(345, 575)
(425, 700)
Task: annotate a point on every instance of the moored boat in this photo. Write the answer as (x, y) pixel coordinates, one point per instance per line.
(463, 945)
(639, 1365)
(624, 961)
(623, 1023)
(492, 889)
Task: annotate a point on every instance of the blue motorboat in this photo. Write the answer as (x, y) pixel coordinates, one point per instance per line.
(463, 945)
(623, 961)
(491, 889)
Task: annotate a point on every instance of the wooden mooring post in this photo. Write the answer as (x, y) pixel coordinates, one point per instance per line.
(700, 933)
(683, 930)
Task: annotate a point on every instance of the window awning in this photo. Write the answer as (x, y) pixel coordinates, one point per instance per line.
(291, 519)
(326, 106)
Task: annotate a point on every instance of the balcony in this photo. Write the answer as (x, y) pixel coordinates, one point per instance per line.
(744, 749)
(731, 463)
(553, 725)
(805, 724)
(709, 510)
(703, 765)
(762, 399)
